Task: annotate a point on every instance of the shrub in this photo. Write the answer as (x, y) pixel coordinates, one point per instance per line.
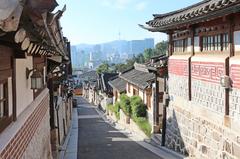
(139, 109)
(144, 125)
(115, 109)
(110, 107)
(125, 104)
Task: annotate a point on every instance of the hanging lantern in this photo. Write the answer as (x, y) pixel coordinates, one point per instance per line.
(36, 78)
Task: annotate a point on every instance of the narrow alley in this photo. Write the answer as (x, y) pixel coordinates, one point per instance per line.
(98, 140)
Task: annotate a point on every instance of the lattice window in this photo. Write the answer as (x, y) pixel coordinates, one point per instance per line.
(3, 100)
(180, 45)
(217, 42)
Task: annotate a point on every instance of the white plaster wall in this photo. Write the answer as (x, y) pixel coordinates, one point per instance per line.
(196, 44)
(131, 90)
(10, 96)
(189, 47)
(24, 93)
(141, 94)
(237, 40)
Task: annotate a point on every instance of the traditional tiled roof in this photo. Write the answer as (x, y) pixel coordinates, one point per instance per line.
(90, 75)
(105, 77)
(118, 84)
(207, 9)
(138, 78)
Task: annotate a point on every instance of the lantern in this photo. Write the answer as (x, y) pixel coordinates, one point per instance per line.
(36, 78)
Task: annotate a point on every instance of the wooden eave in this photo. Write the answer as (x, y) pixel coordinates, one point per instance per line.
(185, 18)
(10, 13)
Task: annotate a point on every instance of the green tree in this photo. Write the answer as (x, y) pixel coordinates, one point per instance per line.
(161, 48)
(148, 53)
(140, 58)
(103, 68)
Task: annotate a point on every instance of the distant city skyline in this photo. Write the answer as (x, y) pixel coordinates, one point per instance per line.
(118, 51)
(100, 21)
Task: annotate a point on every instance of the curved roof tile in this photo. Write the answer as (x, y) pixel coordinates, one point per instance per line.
(200, 9)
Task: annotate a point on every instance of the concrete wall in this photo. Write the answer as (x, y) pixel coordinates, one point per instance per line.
(23, 84)
(29, 136)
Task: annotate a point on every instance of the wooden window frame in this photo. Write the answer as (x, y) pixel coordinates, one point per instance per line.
(148, 96)
(135, 92)
(6, 119)
(180, 45)
(217, 44)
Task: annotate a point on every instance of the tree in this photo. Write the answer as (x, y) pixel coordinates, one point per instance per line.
(148, 53)
(103, 68)
(161, 48)
(140, 58)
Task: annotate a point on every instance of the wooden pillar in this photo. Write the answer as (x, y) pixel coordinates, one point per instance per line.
(156, 101)
(190, 65)
(170, 44)
(227, 65)
(51, 104)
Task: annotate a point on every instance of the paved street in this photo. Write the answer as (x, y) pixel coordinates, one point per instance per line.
(98, 140)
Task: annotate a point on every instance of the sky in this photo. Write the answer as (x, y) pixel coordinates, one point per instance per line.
(99, 21)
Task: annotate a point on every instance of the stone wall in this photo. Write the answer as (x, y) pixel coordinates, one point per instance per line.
(178, 86)
(209, 95)
(234, 109)
(199, 134)
(62, 122)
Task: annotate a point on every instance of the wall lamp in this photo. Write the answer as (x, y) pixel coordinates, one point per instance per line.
(36, 78)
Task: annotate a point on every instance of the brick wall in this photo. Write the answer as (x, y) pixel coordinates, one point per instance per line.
(32, 139)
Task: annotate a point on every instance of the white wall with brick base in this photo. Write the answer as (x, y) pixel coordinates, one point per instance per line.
(29, 136)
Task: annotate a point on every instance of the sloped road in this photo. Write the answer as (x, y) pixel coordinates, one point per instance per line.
(98, 140)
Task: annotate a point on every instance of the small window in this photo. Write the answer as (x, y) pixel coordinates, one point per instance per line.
(215, 43)
(135, 92)
(161, 97)
(225, 41)
(180, 45)
(3, 100)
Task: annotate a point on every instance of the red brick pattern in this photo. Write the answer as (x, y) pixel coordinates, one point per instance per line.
(178, 67)
(17, 146)
(235, 75)
(208, 71)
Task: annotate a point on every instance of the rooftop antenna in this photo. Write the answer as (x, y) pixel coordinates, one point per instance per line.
(119, 35)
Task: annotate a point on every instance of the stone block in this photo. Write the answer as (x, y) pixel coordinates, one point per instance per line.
(236, 150)
(227, 146)
(238, 139)
(216, 136)
(203, 149)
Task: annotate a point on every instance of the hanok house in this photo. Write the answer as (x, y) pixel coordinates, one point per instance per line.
(105, 91)
(203, 115)
(140, 83)
(119, 86)
(29, 34)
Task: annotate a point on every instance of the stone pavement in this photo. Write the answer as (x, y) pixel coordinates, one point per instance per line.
(91, 137)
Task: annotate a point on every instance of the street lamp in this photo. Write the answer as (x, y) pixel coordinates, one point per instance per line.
(36, 78)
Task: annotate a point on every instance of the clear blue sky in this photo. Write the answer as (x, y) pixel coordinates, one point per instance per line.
(97, 21)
